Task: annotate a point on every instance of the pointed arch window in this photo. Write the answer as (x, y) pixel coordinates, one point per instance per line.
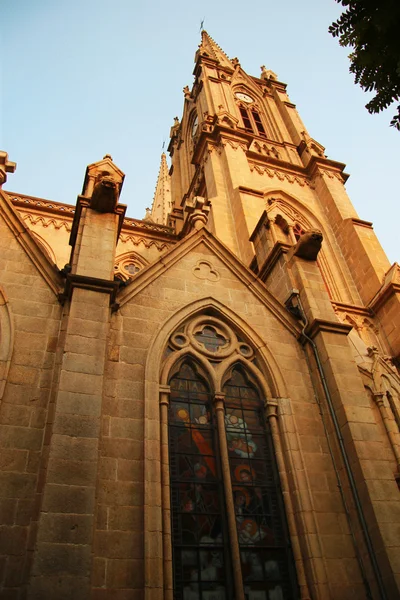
(199, 532)
(252, 121)
(258, 122)
(228, 524)
(264, 553)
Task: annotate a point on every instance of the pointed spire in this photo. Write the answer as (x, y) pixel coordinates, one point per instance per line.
(162, 196)
(209, 47)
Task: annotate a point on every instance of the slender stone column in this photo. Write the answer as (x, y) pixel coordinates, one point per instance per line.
(230, 508)
(166, 498)
(271, 413)
(291, 235)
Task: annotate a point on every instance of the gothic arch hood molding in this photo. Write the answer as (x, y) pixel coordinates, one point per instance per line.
(157, 534)
(269, 364)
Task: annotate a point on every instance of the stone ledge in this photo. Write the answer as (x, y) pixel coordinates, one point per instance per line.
(89, 283)
(322, 326)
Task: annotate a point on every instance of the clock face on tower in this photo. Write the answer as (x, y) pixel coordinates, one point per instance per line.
(244, 97)
(195, 125)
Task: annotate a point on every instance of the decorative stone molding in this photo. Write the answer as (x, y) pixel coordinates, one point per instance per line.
(147, 243)
(34, 219)
(128, 264)
(197, 211)
(232, 143)
(332, 175)
(281, 175)
(204, 270)
(46, 205)
(265, 149)
(226, 119)
(137, 223)
(275, 203)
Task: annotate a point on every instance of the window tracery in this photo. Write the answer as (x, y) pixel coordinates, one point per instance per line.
(227, 518)
(127, 265)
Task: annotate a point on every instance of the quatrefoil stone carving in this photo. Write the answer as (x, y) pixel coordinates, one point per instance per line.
(204, 270)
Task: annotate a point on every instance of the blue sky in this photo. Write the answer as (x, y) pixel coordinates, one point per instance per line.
(84, 78)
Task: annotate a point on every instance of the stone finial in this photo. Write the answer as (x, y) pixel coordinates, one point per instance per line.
(6, 166)
(107, 156)
(197, 210)
(267, 74)
(308, 245)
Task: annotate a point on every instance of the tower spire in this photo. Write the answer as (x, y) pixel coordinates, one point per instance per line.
(210, 48)
(162, 196)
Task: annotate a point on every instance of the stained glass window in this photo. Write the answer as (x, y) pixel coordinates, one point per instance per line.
(201, 545)
(201, 562)
(264, 553)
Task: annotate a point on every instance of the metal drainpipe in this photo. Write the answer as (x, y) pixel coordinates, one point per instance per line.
(349, 472)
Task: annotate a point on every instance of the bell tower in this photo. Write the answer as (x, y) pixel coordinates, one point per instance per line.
(242, 146)
(235, 129)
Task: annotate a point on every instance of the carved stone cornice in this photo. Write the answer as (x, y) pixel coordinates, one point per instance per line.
(138, 224)
(342, 307)
(40, 205)
(325, 166)
(280, 169)
(217, 134)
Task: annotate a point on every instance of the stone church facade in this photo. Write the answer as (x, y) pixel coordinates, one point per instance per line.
(203, 404)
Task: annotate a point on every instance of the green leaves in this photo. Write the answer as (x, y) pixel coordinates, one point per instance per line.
(372, 29)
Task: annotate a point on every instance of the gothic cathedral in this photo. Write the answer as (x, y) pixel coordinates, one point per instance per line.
(203, 404)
